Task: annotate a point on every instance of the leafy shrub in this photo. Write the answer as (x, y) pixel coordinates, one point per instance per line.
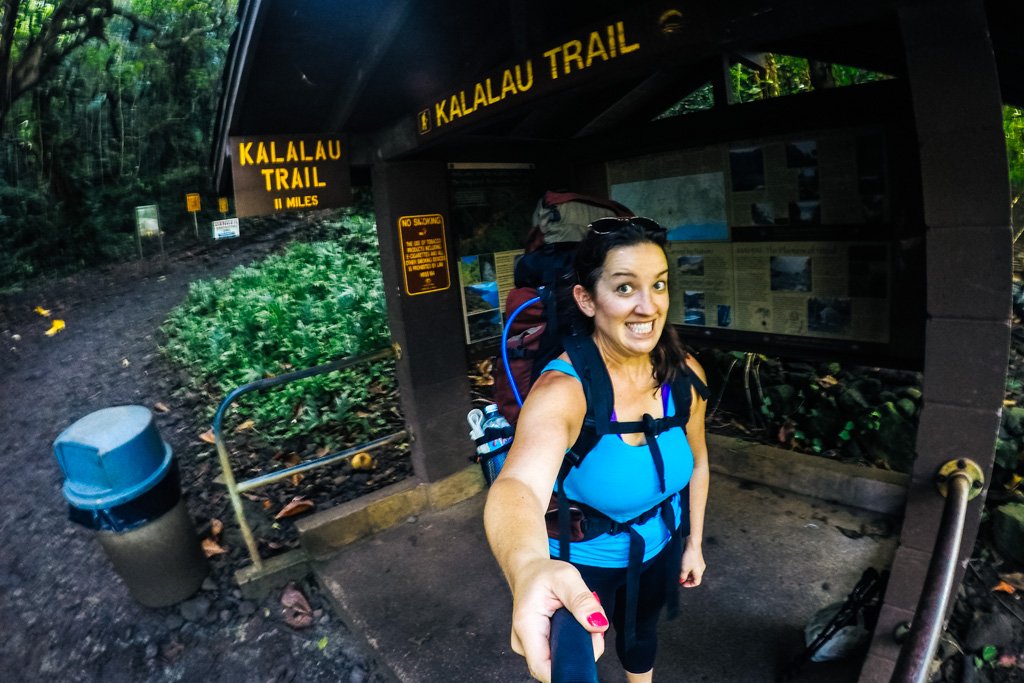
(854, 413)
(312, 304)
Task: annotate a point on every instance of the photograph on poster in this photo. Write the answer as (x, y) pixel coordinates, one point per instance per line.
(746, 167)
(807, 182)
(693, 302)
(484, 325)
(479, 285)
(690, 207)
(829, 315)
(762, 213)
(790, 273)
(690, 265)
(724, 315)
(805, 212)
(800, 153)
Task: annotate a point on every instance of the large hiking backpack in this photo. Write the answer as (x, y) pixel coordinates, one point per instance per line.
(540, 308)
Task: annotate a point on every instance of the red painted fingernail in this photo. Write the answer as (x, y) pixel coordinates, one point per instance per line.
(596, 596)
(597, 619)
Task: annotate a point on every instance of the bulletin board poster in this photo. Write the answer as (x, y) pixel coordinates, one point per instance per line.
(485, 281)
(828, 290)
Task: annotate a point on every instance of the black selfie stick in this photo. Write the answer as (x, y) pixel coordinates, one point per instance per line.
(572, 650)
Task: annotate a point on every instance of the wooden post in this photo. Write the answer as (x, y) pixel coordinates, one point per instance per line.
(425, 319)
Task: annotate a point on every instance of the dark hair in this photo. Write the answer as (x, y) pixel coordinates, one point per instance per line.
(668, 356)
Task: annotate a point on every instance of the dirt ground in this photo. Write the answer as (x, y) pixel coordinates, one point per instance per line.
(64, 613)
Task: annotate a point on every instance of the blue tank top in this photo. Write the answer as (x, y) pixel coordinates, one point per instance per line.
(620, 481)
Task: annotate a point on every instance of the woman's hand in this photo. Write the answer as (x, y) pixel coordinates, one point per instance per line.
(693, 566)
(541, 588)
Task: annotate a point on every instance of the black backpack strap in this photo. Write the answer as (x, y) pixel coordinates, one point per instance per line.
(597, 388)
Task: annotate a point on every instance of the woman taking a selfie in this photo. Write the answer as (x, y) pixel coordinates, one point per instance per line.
(636, 500)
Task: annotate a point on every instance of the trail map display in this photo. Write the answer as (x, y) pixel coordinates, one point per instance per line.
(756, 232)
(836, 290)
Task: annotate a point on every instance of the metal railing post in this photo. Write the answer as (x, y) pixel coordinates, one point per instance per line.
(236, 488)
(959, 481)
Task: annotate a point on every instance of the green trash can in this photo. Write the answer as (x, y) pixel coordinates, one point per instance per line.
(121, 480)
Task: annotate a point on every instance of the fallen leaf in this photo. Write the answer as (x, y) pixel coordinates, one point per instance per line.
(207, 436)
(248, 424)
(267, 505)
(1015, 579)
(161, 407)
(297, 612)
(55, 327)
(45, 312)
(296, 478)
(828, 381)
(125, 362)
(216, 526)
(211, 548)
(322, 451)
(322, 643)
(362, 461)
(288, 459)
(296, 506)
(1004, 587)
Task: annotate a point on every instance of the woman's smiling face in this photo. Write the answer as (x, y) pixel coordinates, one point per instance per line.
(629, 304)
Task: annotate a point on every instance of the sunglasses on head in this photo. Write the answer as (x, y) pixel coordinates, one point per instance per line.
(607, 226)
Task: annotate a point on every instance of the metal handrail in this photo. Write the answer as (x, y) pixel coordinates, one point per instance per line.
(235, 488)
(959, 481)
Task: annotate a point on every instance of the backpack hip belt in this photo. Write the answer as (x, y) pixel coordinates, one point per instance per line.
(591, 523)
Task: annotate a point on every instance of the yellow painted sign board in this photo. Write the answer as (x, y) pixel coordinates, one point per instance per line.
(278, 173)
(192, 202)
(424, 253)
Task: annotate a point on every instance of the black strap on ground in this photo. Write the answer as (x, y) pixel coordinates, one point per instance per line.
(864, 597)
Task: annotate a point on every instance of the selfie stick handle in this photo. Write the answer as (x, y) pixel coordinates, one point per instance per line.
(572, 650)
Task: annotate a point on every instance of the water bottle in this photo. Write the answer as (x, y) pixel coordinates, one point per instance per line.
(478, 424)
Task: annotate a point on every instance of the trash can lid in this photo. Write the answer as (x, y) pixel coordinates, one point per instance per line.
(111, 456)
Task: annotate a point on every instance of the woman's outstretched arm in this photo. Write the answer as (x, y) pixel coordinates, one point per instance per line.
(514, 521)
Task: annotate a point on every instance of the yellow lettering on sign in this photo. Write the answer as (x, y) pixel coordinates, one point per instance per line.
(519, 77)
(552, 55)
(623, 47)
(602, 45)
(294, 152)
(571, 52)
(245, 154)
(595, 48)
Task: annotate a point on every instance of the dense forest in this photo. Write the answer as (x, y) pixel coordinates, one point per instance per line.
(110, 104)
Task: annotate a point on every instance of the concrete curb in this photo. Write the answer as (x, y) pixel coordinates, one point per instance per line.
(867, 488)
(323, 533)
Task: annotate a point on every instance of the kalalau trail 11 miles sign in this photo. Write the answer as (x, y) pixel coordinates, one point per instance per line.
(289, 172)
